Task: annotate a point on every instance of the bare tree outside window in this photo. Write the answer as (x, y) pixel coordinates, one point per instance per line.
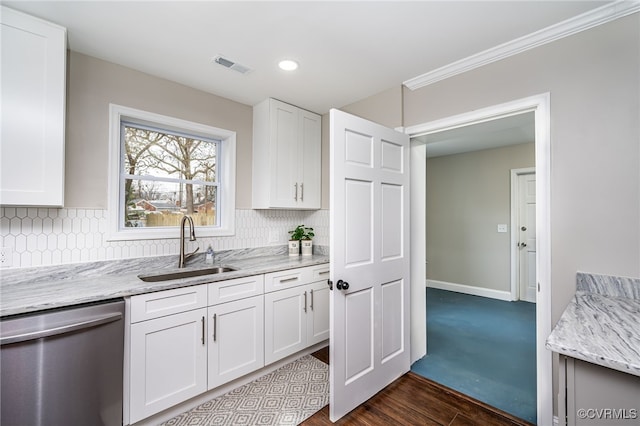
(168, 175)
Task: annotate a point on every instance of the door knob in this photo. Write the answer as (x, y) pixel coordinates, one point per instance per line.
(330, 284)
(342, 285)
(523, 244)
(524, 228)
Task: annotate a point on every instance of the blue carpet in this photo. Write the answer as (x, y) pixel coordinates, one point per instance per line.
(484, 348)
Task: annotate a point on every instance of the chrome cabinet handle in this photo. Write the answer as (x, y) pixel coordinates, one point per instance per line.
(311, 306)
(203, 330)
(305, 302)
(286, 280)
(215, 326)
(295, 197)
(301, 192)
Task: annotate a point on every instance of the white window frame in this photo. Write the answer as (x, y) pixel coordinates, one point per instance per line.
(227, 174)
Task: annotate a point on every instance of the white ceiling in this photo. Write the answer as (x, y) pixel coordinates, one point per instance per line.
(513, 130)
(347, 50)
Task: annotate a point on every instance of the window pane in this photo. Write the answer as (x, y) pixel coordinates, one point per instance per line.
(161, 154)
(155, 203)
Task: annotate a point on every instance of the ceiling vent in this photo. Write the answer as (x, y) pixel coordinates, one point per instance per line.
(228, 63)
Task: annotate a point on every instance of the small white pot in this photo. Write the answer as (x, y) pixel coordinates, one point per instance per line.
(307, 247)
(294, 248)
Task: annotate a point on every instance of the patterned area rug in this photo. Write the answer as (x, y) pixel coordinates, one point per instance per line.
(286, 396)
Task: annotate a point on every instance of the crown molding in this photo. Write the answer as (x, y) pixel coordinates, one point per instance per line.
(585, 21)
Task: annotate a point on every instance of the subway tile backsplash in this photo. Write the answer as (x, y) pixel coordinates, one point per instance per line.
(44, 236)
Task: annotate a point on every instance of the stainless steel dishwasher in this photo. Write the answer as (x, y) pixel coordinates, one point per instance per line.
(63, 367)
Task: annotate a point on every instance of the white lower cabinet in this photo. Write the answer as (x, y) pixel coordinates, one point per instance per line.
(188, 340)
(295, 317)
(236, 339)
(168, 362)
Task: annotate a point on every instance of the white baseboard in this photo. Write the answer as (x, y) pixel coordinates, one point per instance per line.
(469, 289)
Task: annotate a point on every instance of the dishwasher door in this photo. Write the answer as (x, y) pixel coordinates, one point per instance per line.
(63, 367)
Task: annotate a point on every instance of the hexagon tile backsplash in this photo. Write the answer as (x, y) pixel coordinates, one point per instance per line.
(43, 236)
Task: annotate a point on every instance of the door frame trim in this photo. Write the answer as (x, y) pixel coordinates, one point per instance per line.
(515, 205)
(540, 105)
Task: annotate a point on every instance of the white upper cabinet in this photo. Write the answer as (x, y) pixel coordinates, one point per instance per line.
(286, 157)
(33, 110)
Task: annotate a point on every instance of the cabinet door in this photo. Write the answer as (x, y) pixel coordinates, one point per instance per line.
(33, 109)
(284, 154)
(168, 362)
(598, 396)
(285, 324)
(236, 339)
(317, 312)
(309, 184)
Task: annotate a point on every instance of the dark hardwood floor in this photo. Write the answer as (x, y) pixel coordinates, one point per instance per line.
(415, 400)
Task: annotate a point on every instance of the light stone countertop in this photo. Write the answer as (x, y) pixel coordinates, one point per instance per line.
(24, 290)
(601, 324)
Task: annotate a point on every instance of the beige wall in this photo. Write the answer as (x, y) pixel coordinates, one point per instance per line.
(593, 81)
(468, 195)
(384, 108)
(93, 84)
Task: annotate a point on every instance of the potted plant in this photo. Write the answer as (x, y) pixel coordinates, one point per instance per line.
(294, 240)
(301, 237)
(306, 243)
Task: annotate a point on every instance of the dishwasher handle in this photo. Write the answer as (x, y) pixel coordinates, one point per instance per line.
(61, 329)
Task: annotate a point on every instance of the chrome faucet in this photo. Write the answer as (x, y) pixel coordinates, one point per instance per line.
(192, 237)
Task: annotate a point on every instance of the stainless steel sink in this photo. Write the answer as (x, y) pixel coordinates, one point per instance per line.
(176, 275)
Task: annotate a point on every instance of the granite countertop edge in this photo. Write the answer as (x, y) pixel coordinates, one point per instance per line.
(601, 324)
(27, 290)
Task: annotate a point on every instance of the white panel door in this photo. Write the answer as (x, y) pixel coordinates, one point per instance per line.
(369, 259)
(527, 237)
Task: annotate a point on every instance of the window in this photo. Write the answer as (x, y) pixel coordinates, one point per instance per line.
(162, 169)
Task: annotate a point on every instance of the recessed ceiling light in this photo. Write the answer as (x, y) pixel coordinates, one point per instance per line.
(288, 65)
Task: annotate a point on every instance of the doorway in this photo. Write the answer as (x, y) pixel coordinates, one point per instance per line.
(481, 343)
(539, 105)
(523, 234)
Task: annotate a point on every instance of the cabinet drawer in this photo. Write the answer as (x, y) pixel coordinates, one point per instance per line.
(235, 289)
(155, 305)
(320, 272)
(286, 279)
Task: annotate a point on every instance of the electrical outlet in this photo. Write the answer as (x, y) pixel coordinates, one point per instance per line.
(274, 236)
(502, 227)
(6, 256)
